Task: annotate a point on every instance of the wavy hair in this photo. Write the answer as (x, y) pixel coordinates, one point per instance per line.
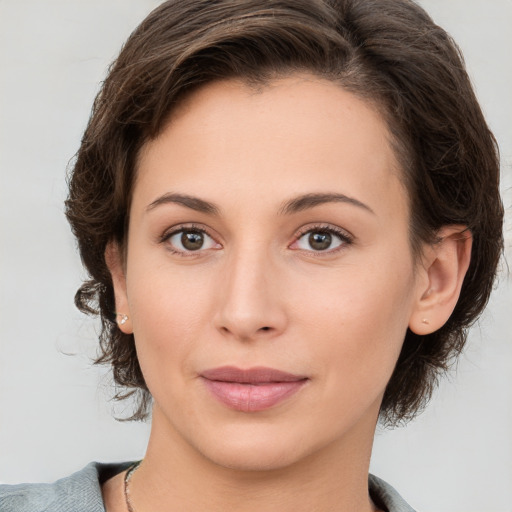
(388, 52)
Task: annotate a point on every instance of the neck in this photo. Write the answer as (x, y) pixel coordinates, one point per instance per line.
(176, 476)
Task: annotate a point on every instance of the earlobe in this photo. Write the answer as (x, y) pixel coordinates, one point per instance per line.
(444, 268)
(115, 264)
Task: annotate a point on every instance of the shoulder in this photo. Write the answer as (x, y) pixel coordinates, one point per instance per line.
(80, 492)
(386, 497)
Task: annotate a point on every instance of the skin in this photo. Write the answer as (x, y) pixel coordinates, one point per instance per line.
(259, 294)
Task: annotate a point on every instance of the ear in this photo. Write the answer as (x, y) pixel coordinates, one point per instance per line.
(115, 264)
(444, 266)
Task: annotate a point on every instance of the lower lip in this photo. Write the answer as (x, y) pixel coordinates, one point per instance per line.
(252, 397)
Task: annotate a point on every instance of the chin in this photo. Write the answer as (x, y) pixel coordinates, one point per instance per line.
(261, 446)
(250, 457)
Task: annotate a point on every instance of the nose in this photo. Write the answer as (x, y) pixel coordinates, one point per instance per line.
(250, 303)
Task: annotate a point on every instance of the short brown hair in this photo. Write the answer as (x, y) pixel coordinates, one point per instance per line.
(389, 52)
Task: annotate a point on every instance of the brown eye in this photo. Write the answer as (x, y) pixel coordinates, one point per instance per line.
(192, 240)
(319, 241)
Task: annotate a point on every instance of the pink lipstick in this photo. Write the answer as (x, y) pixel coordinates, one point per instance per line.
(251, 390)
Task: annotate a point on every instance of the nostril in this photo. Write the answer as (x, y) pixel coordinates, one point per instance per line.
(265, 329)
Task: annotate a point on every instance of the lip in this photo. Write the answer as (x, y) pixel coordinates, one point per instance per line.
(253, 389)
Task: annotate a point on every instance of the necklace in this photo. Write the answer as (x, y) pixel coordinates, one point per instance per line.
(127, 478)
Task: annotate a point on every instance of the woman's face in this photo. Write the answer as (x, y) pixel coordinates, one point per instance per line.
(269, 279)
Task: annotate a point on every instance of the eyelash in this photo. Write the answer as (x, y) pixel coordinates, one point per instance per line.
(345, 238)
(190, 228)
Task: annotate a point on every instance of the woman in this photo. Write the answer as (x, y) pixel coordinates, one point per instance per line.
(253, 176)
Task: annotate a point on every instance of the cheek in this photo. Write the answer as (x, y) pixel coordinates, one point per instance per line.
(169, 312)
(359, 318)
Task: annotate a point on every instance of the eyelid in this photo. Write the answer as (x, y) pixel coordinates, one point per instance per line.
(170, 232)
(346, 237)
(324, 226)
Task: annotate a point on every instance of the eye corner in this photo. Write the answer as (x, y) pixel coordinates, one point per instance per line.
(189, 240)
(329, 239)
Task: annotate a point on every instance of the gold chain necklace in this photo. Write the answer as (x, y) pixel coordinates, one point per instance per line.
(127, 478)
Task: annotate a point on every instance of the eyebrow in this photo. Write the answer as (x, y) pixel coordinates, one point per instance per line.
(194, 203)
(295, 205)
(307, 201)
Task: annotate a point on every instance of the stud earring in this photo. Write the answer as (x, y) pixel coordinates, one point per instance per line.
(123, 318)
(425, 321)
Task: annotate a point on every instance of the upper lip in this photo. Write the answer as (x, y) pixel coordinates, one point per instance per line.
(256, 375)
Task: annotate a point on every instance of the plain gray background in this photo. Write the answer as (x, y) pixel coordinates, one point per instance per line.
(54, 410)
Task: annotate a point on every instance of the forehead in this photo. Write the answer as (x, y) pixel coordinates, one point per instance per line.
(294, 133)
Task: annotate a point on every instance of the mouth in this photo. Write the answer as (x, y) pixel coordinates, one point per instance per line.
(253, 389)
